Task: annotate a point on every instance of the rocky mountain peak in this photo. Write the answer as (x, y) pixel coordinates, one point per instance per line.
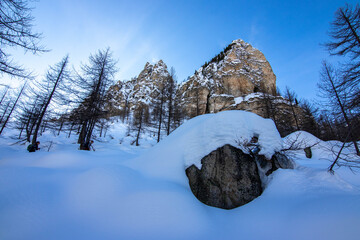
(238, 70)
(153, 72)
(143, 88)
(241, 43)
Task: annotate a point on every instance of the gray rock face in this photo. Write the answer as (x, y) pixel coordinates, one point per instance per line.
(308, 152)
(228, 178)
(267, 167)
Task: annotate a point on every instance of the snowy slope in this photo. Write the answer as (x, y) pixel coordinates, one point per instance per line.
(123, 192)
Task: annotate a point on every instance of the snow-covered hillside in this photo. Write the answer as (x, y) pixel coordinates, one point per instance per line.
(125, 192)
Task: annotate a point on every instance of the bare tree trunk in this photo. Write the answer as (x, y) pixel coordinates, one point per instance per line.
(139, 129)
(71, 127)
(169, 116)
(12, 109)
(2, 117)
(160, 113)
(342, 108)
(338, 155)
(2, 98)
(160, 121)
(21, 130)
(42, 114)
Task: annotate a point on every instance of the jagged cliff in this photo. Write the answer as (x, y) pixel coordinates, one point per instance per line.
(237, 71)
(142, 89)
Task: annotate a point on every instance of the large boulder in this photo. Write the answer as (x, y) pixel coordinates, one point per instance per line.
(227, 179)
(230, 178)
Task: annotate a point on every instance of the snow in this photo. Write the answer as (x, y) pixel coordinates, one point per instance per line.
(246, 98)
(256, 96)
(125, 192)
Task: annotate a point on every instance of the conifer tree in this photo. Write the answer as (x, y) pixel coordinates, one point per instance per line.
(16, 32)
(97, 76)
(333, 91)
(345, 41)
(12, 109)
(140, 119)
(54, 79)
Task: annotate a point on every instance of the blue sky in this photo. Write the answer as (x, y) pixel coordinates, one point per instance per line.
(185, 34)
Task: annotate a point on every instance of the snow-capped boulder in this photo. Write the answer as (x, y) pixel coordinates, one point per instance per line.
(201, 135)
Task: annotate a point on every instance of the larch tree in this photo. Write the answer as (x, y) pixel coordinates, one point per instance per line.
(97, 76)
(16, 32)
(54, 78)
(158, 111)
(345, 41)
(291, 97)
(140, 119)
(28, 116)
(309, 123)
(170, 95)
(12, 109)
(4, 94)
(333, 91)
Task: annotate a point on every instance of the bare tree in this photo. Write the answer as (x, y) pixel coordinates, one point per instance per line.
(331, 89)
(140, 119)
(97, 76)
(345, 34)
(16, 31)
(309, 123)
(291, 96)
(12, 109)
(4, 111)
(54, 78)
(28, 117)
(158, 111)
(4, 94)
(178, 111)
(170, 93)
(326, 126)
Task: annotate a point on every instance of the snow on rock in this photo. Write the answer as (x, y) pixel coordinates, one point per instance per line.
(196, 138)
(144, 88)
(303, 139)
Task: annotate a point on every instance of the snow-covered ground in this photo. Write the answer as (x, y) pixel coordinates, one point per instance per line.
(121, 191)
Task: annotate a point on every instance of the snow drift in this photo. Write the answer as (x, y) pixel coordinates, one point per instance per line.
(122, 192)
(196, 138)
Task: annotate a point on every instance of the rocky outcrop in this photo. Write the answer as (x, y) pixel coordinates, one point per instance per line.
(237, 71)
(308, 152)
(240, 78)
(278, 108)
(230, 178)
(142, 89)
